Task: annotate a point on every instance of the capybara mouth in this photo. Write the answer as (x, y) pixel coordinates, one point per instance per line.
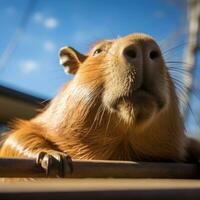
(143, 94)
(139, 97)
(147, 93)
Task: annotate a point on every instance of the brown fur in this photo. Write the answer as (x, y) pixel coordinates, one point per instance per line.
(101, 115)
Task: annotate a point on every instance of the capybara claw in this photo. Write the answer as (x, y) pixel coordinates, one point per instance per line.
(55, 164)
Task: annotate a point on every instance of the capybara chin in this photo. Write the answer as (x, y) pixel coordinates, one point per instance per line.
(120, 105)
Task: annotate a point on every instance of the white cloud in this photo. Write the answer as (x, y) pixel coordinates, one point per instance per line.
(28, 66)
(49, 46)
(51, 23)
(38, 17)
(46, 22)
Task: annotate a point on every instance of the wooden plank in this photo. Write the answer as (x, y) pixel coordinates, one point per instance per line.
(14, 167)
(102, 189)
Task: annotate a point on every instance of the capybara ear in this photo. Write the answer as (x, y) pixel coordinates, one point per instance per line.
(71, 59)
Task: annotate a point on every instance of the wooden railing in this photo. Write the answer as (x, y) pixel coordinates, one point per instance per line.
(15, 167)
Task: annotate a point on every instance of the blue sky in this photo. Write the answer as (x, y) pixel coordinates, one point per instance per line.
(32, 65)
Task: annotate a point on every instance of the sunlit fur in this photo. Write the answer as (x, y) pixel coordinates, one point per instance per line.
(102, 114)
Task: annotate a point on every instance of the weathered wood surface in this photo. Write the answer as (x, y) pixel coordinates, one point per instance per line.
(101, 189)
(13, 167)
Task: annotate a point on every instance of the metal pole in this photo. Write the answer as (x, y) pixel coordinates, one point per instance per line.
(192, 49)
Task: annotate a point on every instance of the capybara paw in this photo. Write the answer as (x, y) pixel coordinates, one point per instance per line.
(55, 164)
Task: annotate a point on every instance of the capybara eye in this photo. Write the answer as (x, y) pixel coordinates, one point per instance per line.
(97, 51)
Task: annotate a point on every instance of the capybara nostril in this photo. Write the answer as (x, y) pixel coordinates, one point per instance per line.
(154, 54)
(130, 52)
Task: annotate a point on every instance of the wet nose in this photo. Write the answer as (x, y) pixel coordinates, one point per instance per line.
(147, 51)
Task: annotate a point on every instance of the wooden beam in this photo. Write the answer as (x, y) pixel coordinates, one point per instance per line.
(101, 189)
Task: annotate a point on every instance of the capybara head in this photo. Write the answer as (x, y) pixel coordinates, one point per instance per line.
(127, 76)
